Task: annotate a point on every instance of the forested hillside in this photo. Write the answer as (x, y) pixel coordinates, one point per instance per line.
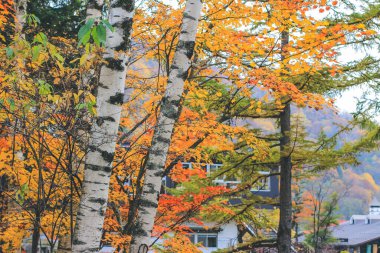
(362, 180)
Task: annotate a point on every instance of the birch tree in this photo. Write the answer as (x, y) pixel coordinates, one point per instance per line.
(20, 13)
(148, 202)
(110, 96)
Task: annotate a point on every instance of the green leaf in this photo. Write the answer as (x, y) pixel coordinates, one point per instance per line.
(90, 107)
(20, 194)
(41, 38)
(44, 88)
(80, 106)
(85, 32)
(85, 28)
(36, 52)
(10, 53)
(95, 36)
(85, 39)
(12, 105)
(59, 57)
(32, 20)
(37, 20)
(108, 25)
(101, 32)
(24, 187)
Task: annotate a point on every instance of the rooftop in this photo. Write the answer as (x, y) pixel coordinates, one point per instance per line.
(356, 234)
(359, 230)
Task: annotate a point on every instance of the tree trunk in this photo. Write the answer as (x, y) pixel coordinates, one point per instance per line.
(20, 12)
(284, 236)
(148, 202)
(110, 93)
(65, 242)
(64, 245)
(36, 235)
(3, 197)
(241, 231)
(94, 9)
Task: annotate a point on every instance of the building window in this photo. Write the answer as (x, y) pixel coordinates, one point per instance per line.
(204, 239)
(192, 238)
(263, 183)
(186, 165)
(212, 169)
(229, 181)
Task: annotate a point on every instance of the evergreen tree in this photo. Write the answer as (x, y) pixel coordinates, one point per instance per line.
(59, 17)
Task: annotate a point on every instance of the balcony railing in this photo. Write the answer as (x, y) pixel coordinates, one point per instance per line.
(231, 182)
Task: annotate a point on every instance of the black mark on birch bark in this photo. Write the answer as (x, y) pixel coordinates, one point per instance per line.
(100, 201)
(98, 168)
(101, 120)
(115, 64)
(117, 99)
(108, 157)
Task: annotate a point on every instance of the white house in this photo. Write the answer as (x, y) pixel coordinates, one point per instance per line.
(223, 237)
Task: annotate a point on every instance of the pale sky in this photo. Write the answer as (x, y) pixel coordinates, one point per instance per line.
(347, 102)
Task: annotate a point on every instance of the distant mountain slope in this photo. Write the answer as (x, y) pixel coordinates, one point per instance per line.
(329, 121)
(361, 180)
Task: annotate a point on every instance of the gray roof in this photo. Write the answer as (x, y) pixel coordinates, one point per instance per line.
(356, 233)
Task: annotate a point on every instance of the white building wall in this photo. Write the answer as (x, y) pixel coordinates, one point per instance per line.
(226, 238)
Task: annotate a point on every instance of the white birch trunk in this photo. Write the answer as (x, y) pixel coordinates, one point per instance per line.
(110, 93)
(20, 13)
(168, 115)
